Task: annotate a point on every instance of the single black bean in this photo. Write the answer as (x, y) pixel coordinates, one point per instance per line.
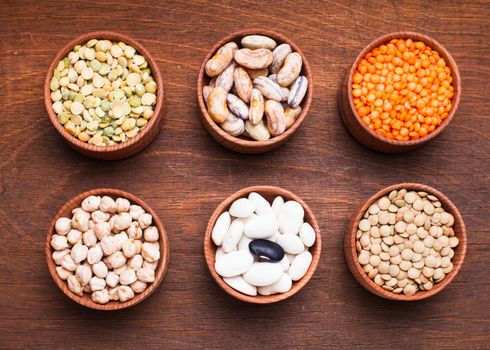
(265, 249)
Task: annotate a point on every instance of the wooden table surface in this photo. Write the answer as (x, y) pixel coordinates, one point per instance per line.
(184, 175)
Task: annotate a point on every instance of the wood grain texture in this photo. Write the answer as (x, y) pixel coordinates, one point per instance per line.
(184, 175)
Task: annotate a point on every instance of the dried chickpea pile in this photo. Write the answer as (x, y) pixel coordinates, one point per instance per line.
(402, 90)
(108, 248)
(103, 92)
(405, 242)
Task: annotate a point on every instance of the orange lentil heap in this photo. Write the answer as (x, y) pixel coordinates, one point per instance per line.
(402, 90)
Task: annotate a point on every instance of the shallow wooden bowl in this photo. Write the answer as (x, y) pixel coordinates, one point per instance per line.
(269, 193)
(86, 300)
(368, 137)
(363, 278)
(124, 149)
(243, 144)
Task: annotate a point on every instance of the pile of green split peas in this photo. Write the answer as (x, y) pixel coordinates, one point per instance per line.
(103, 92)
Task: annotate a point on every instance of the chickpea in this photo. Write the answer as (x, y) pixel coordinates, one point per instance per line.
(138, 286)
(100, 269)
(74, 236)
(62, 273)
(58, 255)
(91, 203)
(79, 252)
(84, 274)
(112, 279)
(145, 220)
(136, 211)
(74, 285)
(108, 205)
(151, 234)
(94, 255)
(122, 205)
(107, 249)
(146, 274)
(101, 296)
(125, 293)
(136, 262)
(150, 252)
(62, 226)
(59, 242)
(97, 283)
(102, 229)
(100, 216)
(122, 221)
(127, 277)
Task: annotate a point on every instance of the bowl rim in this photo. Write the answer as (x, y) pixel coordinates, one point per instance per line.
(86, 300)
(351, 252)
(210, 247)
(305, 104)
(154, 121)
(435, 45)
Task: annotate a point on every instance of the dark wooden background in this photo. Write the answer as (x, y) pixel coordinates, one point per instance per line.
(184, 175)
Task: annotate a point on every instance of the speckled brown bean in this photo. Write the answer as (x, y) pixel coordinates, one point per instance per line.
(237, 106)
(279, 55)
(254, 59)
(298, 91)
(276, 122)
(268, 88)
(216, 104)
(233, 125)
(205, 92)
(254, 73)
(258, 42)
(225, 78)
(219, 61)
(291, 114)
(243, 84)
(256, 110)
(258, 132)
(233, 45)
(290, 70)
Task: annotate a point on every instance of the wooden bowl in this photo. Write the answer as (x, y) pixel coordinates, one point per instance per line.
(269, 193)
(242, 144)
(368, 137)
(124, 149)
(86, 300)
(363, 278)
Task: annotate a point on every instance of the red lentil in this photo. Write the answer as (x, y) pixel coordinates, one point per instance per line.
(403, 90)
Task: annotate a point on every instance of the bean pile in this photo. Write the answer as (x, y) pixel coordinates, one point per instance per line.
(405, 242)
(103, 92)
(403, 90)
(107, 248)
(262, 248)
(246, 82)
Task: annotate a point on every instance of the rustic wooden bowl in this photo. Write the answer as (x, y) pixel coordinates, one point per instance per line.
(86, 300)
(269, 193)
(124, 149)
(368, 137)
(242, 144)
(363, 278)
